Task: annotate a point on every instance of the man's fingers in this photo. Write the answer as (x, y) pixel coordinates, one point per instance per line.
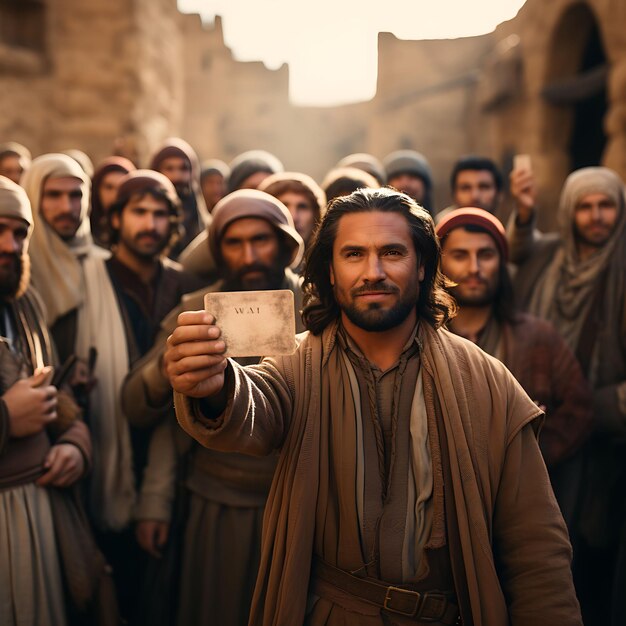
(198, 384)
(195, 348)
(184, 334)
(187, 318)
(193, 363)
(193, 377)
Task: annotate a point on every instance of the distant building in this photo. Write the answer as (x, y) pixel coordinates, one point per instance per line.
(551, 82)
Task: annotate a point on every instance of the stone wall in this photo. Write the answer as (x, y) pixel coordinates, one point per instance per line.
(82, 74)
(108, 69)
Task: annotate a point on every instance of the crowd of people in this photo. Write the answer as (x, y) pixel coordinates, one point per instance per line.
(445, 446)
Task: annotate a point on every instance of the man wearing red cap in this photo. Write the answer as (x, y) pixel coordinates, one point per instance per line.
(254, 241)
(474, 256)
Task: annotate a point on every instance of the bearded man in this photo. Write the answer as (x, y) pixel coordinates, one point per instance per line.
(104, 185)
(474, 254)
(177, 160)
(410, 486)
(45, 449)
(576, 279)
(144, 223)
(254, 240)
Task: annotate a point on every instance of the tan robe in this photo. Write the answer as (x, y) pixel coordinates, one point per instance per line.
(512, 562)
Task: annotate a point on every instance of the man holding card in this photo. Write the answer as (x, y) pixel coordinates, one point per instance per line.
(254, 240)
(381, 417)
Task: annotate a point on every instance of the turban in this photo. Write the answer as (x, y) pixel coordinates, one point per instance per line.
(249, 163)
(367, 163)
(141, 181)
(469, 216)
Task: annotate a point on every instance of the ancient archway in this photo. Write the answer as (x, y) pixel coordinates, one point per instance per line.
(575, 90)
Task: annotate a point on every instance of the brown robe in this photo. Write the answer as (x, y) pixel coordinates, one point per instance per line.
(226, 493)
(56, 529)
(511, 561)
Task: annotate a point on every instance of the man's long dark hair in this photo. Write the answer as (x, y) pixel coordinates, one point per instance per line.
(434, 304)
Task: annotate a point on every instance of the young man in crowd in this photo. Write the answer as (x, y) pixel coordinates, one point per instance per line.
(177, 160)
(70, 274)
(474, 255)
(213, 178)
(304, 198)
(381, 417)
(104, 185)
(576, 279)
(408, 171)
(14, 160)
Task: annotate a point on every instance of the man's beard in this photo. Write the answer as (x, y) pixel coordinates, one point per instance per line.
(10, 276)
(132, 244)
(184, 191)
(271, 277)
(485, 298)
(376, 318)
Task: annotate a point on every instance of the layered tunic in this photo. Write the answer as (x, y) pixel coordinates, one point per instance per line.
(31, 576)
(509, 553)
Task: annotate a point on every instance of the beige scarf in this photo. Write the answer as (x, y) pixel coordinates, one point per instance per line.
(74, 276)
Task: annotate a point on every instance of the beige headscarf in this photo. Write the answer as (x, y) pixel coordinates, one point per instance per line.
(14, 202)
(73, 275)
(566, 291)
(55, 266)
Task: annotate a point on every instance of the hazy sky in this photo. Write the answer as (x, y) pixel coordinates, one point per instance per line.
(330, 45)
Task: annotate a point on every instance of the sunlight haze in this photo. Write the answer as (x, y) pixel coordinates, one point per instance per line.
(330, 45)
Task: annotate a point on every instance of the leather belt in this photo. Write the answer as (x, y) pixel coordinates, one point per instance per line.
(423, 606)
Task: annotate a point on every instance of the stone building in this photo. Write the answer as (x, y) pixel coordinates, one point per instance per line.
(81, 74)
(551, 83)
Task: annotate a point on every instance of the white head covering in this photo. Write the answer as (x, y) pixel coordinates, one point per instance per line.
(56, 270)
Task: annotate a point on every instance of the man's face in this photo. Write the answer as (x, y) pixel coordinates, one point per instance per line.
(144, 226)
(472, 260)
(108, 188)
(13, 233)
(250, 249)
(61, 203)
(595, 217)
(410, 184)
(11, 167)
(476, 188)
(375, 270)
(213, 189)
(178, 170)
(302, 211)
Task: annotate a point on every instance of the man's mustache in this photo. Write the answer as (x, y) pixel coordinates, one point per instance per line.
(153, 234)
(380, 287)
(253, 267)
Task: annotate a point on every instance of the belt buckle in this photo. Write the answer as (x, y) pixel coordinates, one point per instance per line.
(406, 592)
(433, 607)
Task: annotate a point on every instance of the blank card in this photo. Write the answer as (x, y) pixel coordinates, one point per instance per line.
(254, 323)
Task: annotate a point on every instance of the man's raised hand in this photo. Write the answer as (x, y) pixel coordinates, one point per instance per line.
(194, 359)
